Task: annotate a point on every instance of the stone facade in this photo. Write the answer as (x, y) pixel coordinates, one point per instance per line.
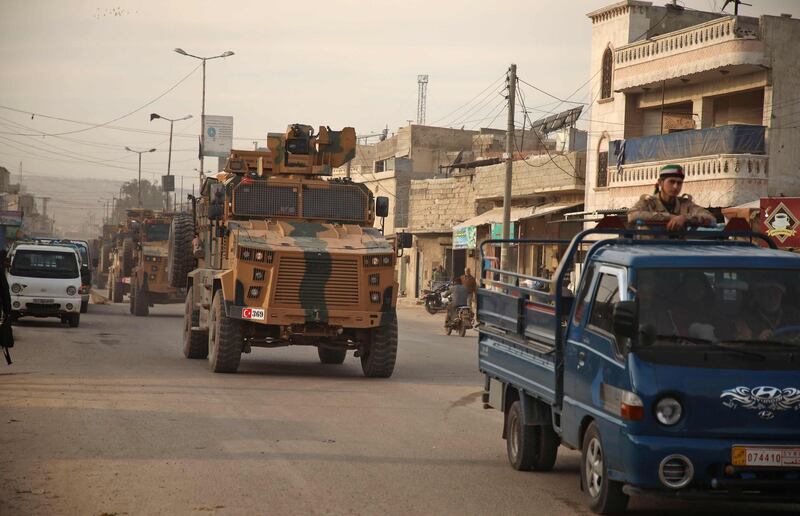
(675, 69)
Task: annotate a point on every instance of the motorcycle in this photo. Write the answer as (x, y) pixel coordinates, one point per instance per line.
(436, 299)
(464, 320)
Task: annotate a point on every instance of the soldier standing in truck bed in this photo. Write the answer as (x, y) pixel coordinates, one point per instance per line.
(667, 205)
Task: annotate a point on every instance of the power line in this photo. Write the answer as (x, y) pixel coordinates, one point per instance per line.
(492, 85)
(95, 126)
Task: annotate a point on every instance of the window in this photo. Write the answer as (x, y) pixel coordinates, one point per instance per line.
(602, 169)
(584, 294)
(605, 297)
(608, 68)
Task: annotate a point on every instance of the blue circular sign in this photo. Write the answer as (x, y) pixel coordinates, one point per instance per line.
(212, 132)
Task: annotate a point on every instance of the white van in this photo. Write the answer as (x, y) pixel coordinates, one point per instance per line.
(45, 281)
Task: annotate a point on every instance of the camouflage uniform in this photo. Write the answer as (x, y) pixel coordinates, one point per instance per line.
(651, 209)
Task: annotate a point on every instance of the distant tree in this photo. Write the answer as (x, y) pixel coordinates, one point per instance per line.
(152, 197)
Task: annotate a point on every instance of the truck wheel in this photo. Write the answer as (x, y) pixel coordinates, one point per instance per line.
(195, 344)
(84, 306)
(180, 260)
(521, 439)
(224, 339)
(379, 356)
(331, 355)
(73, 320)
(605, 495)
(127, 256)
(139, 301)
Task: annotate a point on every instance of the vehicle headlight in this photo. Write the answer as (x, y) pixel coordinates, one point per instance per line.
(16, 288)
(376, 261)
(71, 291)
(668, 411)
(387, 260)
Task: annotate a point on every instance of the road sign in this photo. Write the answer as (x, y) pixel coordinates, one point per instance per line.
(217, 135)
(168, 183)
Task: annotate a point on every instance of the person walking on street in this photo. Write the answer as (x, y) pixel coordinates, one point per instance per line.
(667, 205)
(6, 335)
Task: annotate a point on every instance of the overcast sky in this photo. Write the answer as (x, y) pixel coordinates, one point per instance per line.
(337, 63)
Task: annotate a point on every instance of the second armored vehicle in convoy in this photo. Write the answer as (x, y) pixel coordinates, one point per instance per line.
(149, 283)
(289, 258)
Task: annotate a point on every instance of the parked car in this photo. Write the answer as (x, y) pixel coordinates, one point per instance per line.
(45, 281)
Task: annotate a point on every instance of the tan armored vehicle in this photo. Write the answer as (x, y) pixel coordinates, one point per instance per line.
(289, 258)
(149, 282)
(122, 254)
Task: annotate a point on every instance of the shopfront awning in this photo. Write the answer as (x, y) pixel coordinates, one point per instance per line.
(495, 216)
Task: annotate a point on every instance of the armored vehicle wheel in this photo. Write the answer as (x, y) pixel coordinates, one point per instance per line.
(139, 301)
(84, 306)
(605, 495)
(127, 256)
(116, 291)
(529, 447)
(180, 260)
(73, 320)
(331, 355)
(379, 355)
(224, 339)
(195, 343)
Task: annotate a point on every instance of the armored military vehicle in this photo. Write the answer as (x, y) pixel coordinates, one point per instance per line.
(286, 257)
(149, 284)
(122, 254)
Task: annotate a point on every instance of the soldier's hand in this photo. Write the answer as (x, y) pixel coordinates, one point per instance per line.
(677, 223)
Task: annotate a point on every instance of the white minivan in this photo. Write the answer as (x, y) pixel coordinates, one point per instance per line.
(45, 281)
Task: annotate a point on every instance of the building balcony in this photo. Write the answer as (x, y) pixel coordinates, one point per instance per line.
(723, 165)
(718, 180)
(728, 46)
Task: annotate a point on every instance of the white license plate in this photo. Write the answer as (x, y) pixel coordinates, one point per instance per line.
(781, 457)
(43, 301)
(256, 314)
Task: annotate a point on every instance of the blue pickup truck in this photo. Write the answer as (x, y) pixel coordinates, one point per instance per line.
(674, 367)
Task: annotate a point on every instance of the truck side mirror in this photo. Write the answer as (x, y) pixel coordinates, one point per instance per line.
(382, 206)
(625, 318)
(216, 201)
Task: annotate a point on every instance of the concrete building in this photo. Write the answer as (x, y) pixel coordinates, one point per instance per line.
(450, 216)
(713, 92)
(418, 152)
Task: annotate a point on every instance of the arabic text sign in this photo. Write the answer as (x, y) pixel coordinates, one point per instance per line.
(465, 237)
(217, 135)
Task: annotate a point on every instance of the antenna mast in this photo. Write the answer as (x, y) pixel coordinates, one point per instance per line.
(422, 98)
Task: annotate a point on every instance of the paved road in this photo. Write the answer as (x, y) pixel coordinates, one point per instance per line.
(109, 418)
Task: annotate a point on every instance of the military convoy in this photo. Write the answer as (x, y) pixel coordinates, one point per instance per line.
(285, 257)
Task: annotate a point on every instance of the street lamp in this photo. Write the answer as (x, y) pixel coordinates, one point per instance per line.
(139, 182)
(182, 52)
(171, 121)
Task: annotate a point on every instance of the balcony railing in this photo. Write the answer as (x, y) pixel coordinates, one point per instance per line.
(697, 36)
(702, 168)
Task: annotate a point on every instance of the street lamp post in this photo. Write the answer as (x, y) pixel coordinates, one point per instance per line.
(182, 52)
(171, 121)
(139, 182)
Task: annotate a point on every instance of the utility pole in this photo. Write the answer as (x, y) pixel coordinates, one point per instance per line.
(511, 83)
